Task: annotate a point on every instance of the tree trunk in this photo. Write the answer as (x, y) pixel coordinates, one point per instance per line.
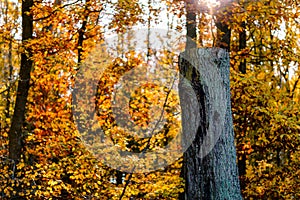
(190, 24)
(222, 14)
(242, 69)
(242, 46)
(15, 133)
(209, 166)
(82, 31)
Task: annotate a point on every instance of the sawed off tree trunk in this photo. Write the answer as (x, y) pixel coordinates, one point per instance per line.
(209, 166)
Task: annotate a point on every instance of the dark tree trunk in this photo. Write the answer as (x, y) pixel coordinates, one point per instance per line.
(242, 69)
(209, 166)
(223, 13)
(15, 133)
(9, 72)
(223, 36)
(190, 24)
(119, 177)
(82, 31)
(10, 75)
(242, 46)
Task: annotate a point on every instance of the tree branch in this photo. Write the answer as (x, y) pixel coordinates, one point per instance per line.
(54, 11)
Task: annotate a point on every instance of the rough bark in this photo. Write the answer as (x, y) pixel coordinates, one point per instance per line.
(209, 166)
(15, 133)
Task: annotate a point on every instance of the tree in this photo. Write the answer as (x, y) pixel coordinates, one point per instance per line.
(208, 174)
(264, 109)
(9, 60)
(263, 39)
(18, 119)
(209, 165)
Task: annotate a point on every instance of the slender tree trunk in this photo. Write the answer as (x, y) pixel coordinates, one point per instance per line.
(223, 36)
(82, 31)
(9, 72)
(242, 69)
(190, 24)
(223, 13)
(209, 167)
(15, 133)
(119, 177)
(242, 45)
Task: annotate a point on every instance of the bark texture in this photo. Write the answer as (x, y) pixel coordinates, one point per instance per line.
(15, 133)
(209, 166)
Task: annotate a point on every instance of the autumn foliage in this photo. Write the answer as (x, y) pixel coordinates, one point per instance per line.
(56, 163)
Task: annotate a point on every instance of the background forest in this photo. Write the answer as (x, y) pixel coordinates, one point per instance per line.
(53, 162)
